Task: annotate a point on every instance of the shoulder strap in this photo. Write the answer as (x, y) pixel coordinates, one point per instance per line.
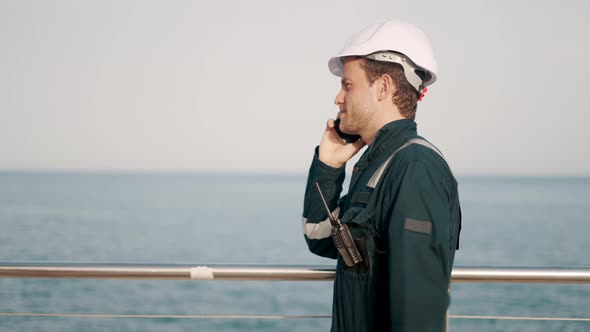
(379, 172)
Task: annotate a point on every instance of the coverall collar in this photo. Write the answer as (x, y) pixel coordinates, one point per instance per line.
(390, 137)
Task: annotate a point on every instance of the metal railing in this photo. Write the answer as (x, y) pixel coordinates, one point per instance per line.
(274, 272)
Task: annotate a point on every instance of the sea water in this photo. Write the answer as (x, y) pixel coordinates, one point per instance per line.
(205, 219)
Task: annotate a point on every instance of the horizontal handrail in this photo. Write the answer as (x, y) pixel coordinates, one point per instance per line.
(242, 317)
(579, 275)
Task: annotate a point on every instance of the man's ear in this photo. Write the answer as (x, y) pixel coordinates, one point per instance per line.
(387, 87)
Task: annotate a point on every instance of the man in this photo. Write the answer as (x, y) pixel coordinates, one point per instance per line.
(402, 206)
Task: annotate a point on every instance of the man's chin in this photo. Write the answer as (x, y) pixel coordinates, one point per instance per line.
(347, 130)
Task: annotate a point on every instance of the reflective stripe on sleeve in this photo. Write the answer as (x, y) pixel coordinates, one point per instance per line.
(321, 230)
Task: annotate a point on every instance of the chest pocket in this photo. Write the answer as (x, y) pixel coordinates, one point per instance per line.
(360, 219)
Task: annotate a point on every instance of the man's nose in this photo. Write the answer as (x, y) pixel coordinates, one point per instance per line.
(339, 98)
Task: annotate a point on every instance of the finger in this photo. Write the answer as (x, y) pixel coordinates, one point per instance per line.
(330, 124)
(330, 132)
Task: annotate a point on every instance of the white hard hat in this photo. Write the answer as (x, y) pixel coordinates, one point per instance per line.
(392, 41)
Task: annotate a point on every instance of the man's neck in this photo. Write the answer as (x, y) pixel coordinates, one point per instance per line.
(380, 120)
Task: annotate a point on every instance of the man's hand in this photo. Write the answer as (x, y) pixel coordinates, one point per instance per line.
(333, 152)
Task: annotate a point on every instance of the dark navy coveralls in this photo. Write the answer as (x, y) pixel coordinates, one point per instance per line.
(407, 226)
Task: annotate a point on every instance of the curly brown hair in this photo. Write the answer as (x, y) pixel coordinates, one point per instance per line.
(405, 97)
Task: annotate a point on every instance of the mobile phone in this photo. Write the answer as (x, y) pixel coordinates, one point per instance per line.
(346, 138)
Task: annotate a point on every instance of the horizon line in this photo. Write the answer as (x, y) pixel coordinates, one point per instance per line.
(252, 173)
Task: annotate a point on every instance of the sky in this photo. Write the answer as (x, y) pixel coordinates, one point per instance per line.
(244, 86)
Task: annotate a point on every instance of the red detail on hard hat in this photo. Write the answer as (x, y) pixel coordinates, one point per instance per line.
(422, 94)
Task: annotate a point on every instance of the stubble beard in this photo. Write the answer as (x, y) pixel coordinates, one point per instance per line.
(356, 119)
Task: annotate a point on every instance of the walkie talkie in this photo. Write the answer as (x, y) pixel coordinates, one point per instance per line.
(342, 238)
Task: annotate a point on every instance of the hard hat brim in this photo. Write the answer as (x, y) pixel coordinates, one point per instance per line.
(335, 65)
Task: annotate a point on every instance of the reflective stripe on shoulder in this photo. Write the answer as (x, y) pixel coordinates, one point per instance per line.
(427, 144)
(321, 230)
(379, 172)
